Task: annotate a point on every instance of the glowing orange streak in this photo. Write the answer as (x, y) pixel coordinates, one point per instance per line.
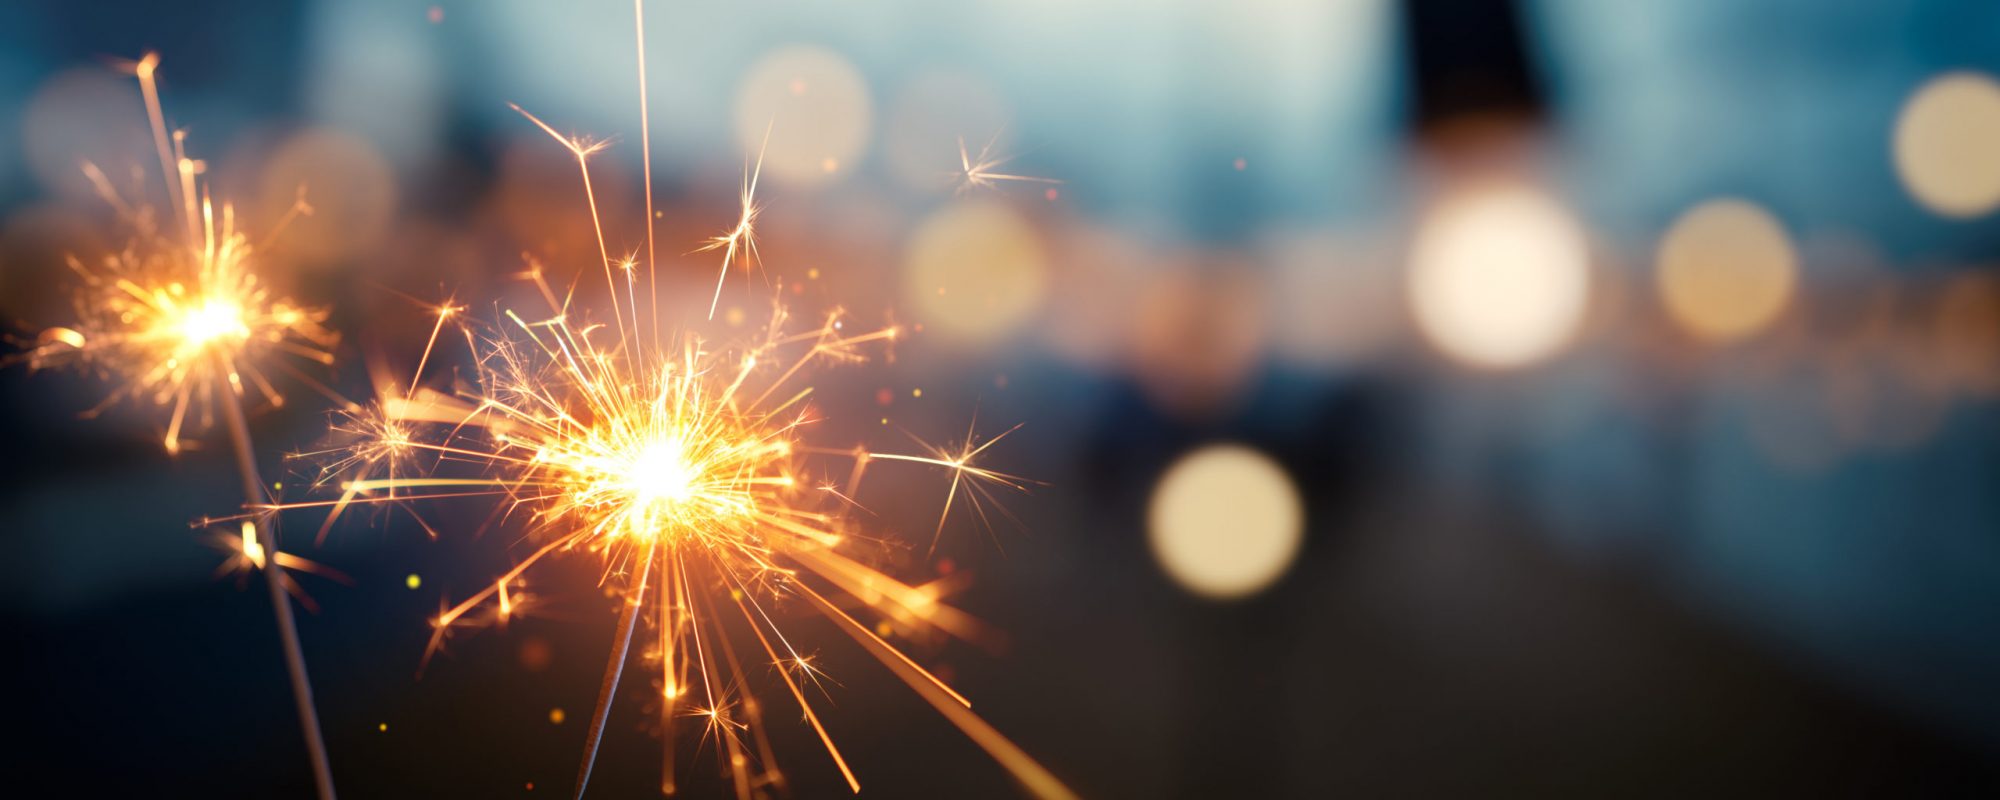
(444, 312)
(646, 164)
(873, 641)
(186, 176)
(157, 117)
(815, 535)
(481, 455)
(853, 783)
(446, 618)
(393, 498)
(1034, 776)
(865, 583)
(739, 766)
(411, 483)
(173, 441)
(582, 153)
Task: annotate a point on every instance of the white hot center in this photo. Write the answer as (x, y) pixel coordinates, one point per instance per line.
(215, 319)
(660, 473)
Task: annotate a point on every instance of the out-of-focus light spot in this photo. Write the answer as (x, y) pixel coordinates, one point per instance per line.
(1197, 334)
(435, 14)
(1791, 419)
(1968, 333)
(89, 114)
(975, 270)
(536, 654)
(815, 108)
(1091, 299)
(1334, 297)
(1499, 276)
(1726, 269)
(350, 187)
(383, 727)
(556, 716)
(413, 580)
(1225, 522)
(1242, 164)
(1947, 147)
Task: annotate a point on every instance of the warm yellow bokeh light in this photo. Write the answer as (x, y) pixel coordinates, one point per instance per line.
(1726, 269)
(1499, 276)
(975, 271)
(1225, 522)
(815, 108)
(1947, 145)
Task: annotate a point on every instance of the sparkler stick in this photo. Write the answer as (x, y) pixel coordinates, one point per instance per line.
(274, 579)
(184, 320)
(628, 619)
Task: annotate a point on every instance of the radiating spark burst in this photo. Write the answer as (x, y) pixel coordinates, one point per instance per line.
(984, 172)
(683, 467)
(182, 319)
(177, 313)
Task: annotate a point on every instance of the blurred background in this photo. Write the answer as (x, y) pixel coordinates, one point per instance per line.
(1433, 397)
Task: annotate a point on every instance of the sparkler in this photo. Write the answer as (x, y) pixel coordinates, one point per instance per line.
(684, 468)
(182, 319)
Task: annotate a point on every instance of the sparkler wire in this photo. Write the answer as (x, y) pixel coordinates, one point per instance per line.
(628, 619)
(274, 578)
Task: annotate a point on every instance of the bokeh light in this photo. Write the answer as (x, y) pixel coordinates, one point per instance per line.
(1967, 333)
(975, 270)
(85, 114)
(1198, 331)
(1499, 276)
(1333, 300)
(350, 186)
(815, 107)
(1225, 522)
(1726, 269)
(1947, 147)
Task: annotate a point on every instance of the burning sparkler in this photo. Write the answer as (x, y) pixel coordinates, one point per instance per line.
(683, 467)
(181, 318)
